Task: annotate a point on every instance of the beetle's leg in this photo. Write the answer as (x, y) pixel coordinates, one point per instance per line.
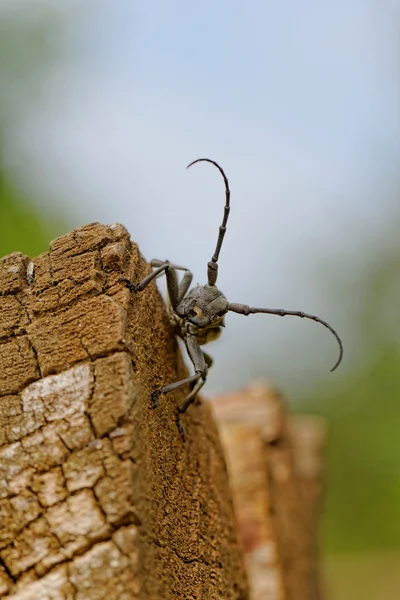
(209, 360)
(162, 265)
(175, 291)
(184, 284)
(192, 396)
(187, 402)
(172, 286)
(165, 389)
(166, 263)
(200, 366)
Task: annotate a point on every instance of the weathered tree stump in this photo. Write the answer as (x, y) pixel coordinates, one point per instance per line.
(275, 464)
(99, 495)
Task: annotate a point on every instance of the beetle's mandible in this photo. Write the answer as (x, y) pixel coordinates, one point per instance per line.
(199, 313)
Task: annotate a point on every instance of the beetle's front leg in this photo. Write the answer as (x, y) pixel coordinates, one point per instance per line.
(165, 389)
(182, 408)
(200, 366)
(175, 291)
(199, 363)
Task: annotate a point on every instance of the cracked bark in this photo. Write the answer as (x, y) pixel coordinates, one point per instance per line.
(275, 463)
(99, 495)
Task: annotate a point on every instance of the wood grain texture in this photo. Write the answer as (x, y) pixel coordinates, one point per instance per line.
(99, 495)
(275, 462)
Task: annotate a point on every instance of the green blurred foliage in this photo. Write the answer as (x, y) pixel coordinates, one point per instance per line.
(29, 43)
(362, 508)
(22, 228)
(370, 576)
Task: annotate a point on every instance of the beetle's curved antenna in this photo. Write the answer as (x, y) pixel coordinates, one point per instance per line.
(243, 309)
(212, 266)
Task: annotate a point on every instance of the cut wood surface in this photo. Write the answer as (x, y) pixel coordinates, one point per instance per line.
(99, 495)
(275, 464)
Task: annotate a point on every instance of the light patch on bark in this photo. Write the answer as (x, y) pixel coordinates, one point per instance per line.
(59, 396)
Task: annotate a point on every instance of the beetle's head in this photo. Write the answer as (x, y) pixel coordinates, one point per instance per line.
(204, 306)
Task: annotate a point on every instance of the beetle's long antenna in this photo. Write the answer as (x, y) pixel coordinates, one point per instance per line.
(243, 309)
(212, 266)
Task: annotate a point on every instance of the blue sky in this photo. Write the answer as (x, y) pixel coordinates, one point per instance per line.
(299, 102)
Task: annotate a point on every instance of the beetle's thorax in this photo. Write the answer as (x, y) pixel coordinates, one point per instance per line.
(202, 312)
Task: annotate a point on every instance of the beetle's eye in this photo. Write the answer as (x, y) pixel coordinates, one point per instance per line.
(195, 312)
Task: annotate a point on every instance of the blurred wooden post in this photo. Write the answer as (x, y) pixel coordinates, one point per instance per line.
(99, 496)
(275, 465)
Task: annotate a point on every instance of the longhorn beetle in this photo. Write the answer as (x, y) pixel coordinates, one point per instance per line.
(199, 313)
